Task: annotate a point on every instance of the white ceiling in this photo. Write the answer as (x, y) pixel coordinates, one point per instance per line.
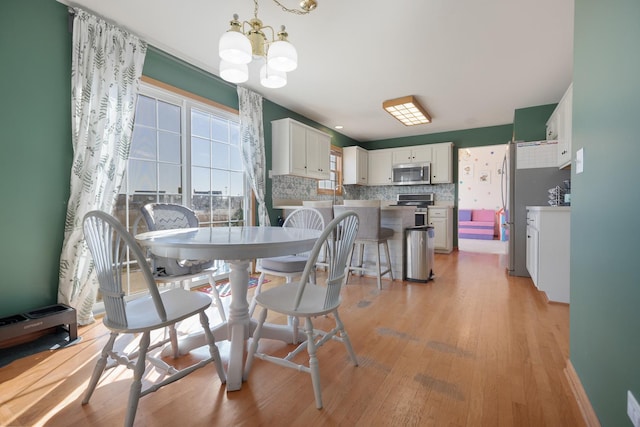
(470, 63)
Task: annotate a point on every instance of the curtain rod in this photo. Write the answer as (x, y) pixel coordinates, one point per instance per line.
(157, 47)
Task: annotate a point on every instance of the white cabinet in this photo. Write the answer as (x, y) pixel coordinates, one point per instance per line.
(441, 163)
(380, 172)
(559, 126)
(375, 167)
(298, 149)
(532, 253)
(441, 219)
(548, 250)
(417, 154)
(355, 165)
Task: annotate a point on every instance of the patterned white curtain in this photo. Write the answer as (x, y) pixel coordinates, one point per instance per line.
(105, 72)
(252, 147)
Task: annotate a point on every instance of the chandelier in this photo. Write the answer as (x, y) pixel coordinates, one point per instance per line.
(246, 41)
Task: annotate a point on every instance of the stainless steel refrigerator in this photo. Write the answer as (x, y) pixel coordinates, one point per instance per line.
(528, 172)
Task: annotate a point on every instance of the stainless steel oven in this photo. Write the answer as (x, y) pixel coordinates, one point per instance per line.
(421, 217)
(421, 201)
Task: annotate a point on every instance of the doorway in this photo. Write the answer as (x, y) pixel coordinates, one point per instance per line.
(479, 199)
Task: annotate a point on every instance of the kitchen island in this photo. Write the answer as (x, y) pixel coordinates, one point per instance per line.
(396, 218)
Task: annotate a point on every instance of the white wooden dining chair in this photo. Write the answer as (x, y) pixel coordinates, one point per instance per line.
(169, 216)
(109, 242)
(306, 300)
(325, 207)
(288, 266)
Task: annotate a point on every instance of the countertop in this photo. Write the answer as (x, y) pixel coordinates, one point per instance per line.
(550, 208)
(291, 204)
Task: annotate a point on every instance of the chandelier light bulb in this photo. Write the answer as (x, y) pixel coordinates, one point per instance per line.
(271, 78)
(282, 56)
(234, 73)
(234, 46)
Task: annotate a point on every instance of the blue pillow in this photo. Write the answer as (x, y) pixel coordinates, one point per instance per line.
(464, 215)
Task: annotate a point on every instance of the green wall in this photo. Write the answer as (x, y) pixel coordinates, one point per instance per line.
(35, 164)
(605, 230)
(529, 124)
(477, 137)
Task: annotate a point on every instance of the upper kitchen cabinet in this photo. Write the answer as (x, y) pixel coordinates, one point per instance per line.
(442, 163)
(355, 165)
(417, 154)
(298, 149)
(380, 169)
(559, 126)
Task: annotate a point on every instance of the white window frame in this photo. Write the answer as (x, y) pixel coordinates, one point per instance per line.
(186, 104)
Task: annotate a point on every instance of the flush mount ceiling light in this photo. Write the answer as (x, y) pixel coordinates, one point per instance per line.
(407, 110)
(246, 41)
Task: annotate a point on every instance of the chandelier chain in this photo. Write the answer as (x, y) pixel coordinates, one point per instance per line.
(286, 9)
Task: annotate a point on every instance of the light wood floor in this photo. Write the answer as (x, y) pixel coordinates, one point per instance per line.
(475, 347)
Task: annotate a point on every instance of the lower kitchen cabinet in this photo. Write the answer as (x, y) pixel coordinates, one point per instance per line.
(441, 219)
(548, 250)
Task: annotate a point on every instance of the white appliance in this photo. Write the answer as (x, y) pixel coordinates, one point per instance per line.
(411, 174)
(529, 170)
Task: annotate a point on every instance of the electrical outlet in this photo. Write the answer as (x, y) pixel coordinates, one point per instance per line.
(633, 409)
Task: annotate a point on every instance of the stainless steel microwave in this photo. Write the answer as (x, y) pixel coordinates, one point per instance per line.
(412, 174)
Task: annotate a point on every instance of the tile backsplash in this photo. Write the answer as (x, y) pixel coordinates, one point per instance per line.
(299, 188)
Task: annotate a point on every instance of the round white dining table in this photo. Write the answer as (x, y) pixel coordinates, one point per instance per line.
(238, 246)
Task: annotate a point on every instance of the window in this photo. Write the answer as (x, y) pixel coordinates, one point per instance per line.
(187, 152)
(327, 186)
(217, 173)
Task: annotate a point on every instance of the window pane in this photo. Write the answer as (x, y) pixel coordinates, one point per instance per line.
(200, 154)
(220, 209)
(142, 176)
(146, 111)
(171, 198)
(220, 155)
(200, 180)
(235, 160)
(168, 117)
(234, 134)
(220, 130)
(201, 204)
(220, 182)
(170, 178)
(169, 147)
(236, 204)
(199, 124)
(143, 144)
(236, 184)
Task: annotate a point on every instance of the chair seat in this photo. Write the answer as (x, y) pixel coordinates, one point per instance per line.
(282, 300)
(386, 233)
(179, 304)
(285, 264)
